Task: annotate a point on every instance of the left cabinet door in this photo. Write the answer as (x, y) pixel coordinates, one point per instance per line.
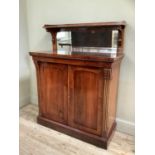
(53, 91)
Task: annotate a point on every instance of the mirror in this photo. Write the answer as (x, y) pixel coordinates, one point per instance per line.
(105, 41)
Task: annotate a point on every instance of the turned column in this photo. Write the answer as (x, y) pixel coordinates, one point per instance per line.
(121, 39)
(54, 41)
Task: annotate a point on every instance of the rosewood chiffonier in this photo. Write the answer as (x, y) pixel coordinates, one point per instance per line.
(77, 80)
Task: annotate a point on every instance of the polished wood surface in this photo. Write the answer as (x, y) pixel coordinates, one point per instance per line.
(53, 79)
(77, 91)
(85, 87)
(97, 24)
(54, 40)
(69, 55)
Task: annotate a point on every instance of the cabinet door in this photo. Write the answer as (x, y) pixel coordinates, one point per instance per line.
(53, 91)
(85, 100)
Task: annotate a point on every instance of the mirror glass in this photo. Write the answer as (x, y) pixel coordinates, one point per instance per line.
(64, 41)
(88, 41)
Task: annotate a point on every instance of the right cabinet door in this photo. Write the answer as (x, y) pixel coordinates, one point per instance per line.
(85, 99)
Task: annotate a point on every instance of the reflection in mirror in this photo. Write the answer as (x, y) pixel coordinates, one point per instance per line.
(114, 38)
(64, 41)
(92, 41)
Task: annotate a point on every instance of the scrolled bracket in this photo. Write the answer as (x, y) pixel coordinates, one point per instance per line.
(107, 73)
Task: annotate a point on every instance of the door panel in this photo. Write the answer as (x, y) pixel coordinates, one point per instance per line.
(85, 104)
(54, 96)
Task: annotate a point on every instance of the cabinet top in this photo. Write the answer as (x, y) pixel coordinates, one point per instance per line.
(83, 56)
(80, 25)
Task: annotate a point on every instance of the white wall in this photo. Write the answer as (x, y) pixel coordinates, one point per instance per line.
(42, 12)
(24, 74)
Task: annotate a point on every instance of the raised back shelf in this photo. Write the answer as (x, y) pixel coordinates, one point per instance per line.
(103, 37)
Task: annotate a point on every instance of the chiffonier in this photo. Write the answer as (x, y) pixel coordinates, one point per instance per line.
(77, 80)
